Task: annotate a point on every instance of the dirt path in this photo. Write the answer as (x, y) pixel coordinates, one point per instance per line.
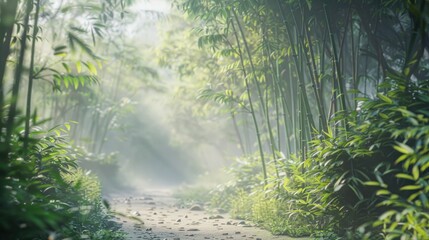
(164, 220)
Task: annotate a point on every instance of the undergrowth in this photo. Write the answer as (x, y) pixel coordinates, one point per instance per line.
(46, 195)
(367, 180)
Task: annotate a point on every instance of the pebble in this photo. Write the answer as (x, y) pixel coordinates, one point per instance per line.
(186, 227)
(193, 230)
(196, 208)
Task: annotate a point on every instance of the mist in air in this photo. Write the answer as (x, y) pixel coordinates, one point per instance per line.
(169, 137)
(203, 119)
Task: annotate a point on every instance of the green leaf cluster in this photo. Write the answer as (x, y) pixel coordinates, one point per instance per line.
(376, 171)
(44, 192)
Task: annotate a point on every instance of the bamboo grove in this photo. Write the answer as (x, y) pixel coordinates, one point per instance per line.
(51, 75)
(299, 67)
(318, 83)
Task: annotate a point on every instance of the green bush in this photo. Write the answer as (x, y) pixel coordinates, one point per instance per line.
(290, 205)
(304, 193)
(44, 193)
(406, 204)
(375, 167)
(241, 205)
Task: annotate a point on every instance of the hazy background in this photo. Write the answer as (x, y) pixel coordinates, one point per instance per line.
(163, 144)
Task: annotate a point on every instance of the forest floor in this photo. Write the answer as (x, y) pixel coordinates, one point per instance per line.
(164, 219)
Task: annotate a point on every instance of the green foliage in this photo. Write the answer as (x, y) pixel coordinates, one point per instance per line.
(369, 180)
(375, 171)
(406, 205)
(287, 207)
(304, 194)
(241, 205)
(271, 213)
(280, 215)
(339, 86)
(45, 193)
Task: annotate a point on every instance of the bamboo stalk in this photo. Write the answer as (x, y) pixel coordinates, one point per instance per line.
(339, 84)
(18, 74)
(31, 76)
(8, 11)
(255, 122)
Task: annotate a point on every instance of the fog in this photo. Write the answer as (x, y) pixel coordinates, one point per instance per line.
(163, 144)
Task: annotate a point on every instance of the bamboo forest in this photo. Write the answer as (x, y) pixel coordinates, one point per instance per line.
(214, 119)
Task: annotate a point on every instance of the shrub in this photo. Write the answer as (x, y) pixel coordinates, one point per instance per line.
(44, 193)
(375, 168)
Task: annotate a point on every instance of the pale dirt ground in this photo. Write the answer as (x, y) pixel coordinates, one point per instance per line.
(163, 219)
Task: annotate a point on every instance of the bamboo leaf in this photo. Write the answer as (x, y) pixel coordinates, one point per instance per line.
(66, 81)
(403, 148)
(372, 183)
(410, 187)
(75, 41)
(425, 161)
(413, 196)
(387, 215)
(92, 69)
(384, 98)
(66, 67)
(75, 81)
(78, 67)
(60, 51)
(416, 172)
(404, 176)
(383, 192)
(401, 158)
(384, 116)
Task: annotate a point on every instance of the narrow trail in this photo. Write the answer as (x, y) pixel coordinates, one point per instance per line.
(163, 219)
